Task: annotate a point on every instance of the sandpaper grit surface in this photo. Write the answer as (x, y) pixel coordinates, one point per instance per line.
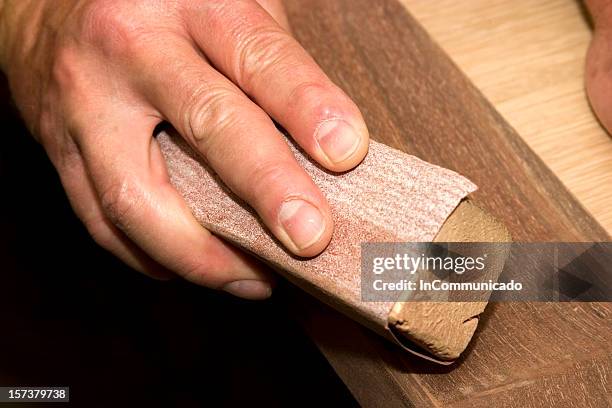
(390, 197)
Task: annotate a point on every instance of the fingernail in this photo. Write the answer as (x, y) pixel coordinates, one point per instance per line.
(302, 222)
(249, 289)
(337, 139)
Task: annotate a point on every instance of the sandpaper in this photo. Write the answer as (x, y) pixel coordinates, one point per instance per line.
(390, 197)
(441, 331)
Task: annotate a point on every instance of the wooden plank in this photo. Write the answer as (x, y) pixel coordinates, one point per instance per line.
(415, 99)
(528, 58)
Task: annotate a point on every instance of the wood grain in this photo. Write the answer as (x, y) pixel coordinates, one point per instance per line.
(414, 98)
(527, 58)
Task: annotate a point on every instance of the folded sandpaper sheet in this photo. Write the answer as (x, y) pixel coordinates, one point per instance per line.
(390, 197)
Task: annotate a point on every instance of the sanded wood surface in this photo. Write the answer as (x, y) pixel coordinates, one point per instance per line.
(415, 99)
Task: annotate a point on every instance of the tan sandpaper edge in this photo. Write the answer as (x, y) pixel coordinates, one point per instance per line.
(444, 329)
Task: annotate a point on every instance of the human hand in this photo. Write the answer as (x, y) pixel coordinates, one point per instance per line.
(93, 79)
(598, 75)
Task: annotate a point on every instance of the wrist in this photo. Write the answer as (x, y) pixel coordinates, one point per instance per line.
(12, 15)
(3, 34)
(601, 12)
(6, 16)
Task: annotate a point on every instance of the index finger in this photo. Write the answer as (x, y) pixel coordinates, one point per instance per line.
(269, 65)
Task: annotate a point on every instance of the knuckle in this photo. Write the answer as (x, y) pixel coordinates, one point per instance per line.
(65, 67)
(195, 271)
(261, 52)
(114, 26)
(44, 128)
(121, 201)
(265, 174)
(99, 232)
(65, 155)
(207, 113)
(314, 95)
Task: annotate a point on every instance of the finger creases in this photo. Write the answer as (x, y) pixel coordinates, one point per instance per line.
(248, 46)
(135, 194)
(86, 205)
(243, 146)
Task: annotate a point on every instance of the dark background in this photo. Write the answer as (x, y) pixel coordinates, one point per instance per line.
(72, 315)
